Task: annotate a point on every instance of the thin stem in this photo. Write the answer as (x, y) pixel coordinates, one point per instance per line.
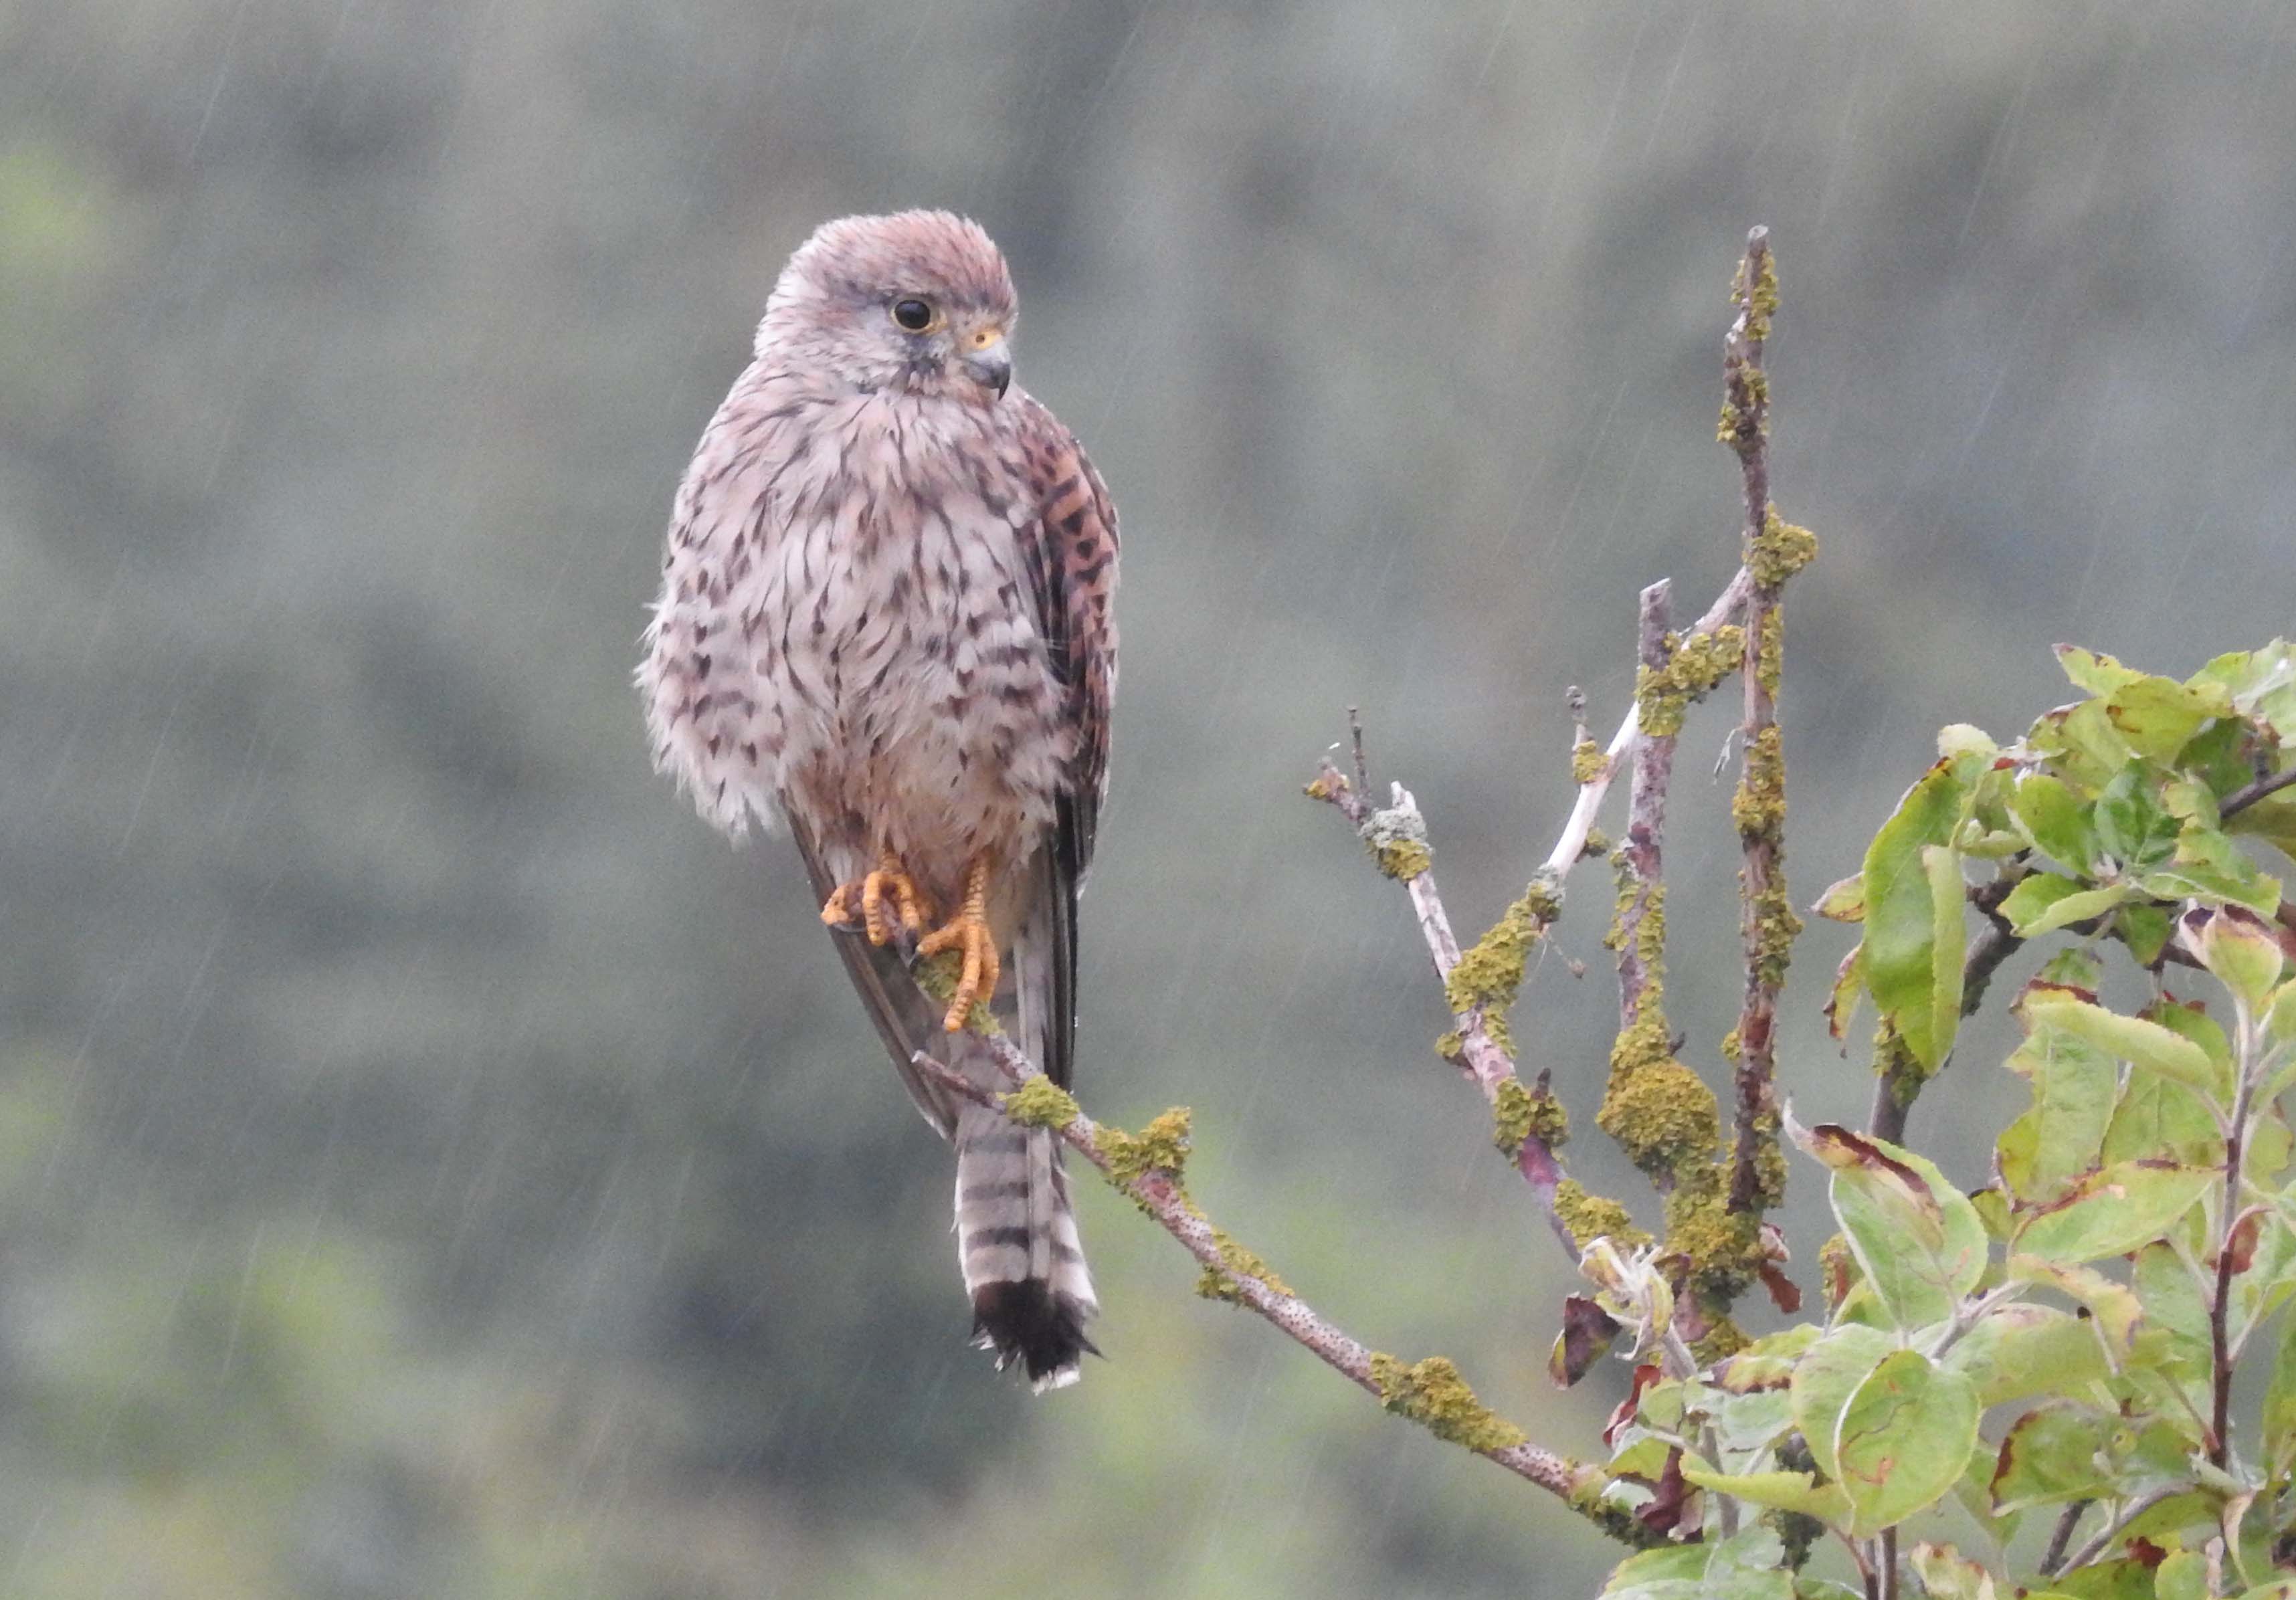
(2241, 800)
(1158, 1192)
(2220, 1302)
(1480, 1055)
(2112, 1530)
(2054, 1558)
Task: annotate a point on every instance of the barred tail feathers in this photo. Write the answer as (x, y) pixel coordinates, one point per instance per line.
(1018, 1247)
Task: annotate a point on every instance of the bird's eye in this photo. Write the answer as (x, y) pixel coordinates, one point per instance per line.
(914, 314)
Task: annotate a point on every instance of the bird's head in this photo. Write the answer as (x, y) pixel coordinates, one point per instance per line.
(918, 302)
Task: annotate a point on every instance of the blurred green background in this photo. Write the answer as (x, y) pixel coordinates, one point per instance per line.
(432, 1164)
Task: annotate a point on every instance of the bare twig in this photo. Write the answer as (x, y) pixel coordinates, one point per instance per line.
(2241, 800)
(1729, 606)
(1480, 1055)
(1157, 1192)
(1767, 924)
(2053, 1559)
(2113, 1528)
(1641, 852)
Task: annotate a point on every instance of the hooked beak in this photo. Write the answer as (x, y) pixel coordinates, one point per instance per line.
(991, 365)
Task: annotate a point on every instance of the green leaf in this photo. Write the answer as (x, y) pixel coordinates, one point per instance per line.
(1947, 1575)
(2143, 927)
(2113, 1212)
(1848, 986)
(2190, 1019)
(2280, 1012)
(2055, 820)
(1769, 1362)
(1828, 1375)
(1747, 1426)
(2174, 1310)
(1904, 1439)
(2183, 1575)
(2115, 1312)
(2096, 674)
(2051, 1454)
(2075, 1086)
(2160, 1119)
(2237, 947)
(2072, 968)
(2209, 866)
(1919, 1241)
(2143, 1044)
(1905, 926)
(1844, 900)
(2280, 1408)
(2044, 902)
(1746, 1566)
(2158, 716)
(2132, 826)
(2016, 1350)
(2085, 749)
(1785, 1491)
(2123, 1579)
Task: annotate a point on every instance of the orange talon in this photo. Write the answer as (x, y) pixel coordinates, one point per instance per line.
(968, 932)
(865, 902)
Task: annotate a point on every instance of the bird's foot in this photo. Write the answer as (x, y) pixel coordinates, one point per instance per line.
(883, 898)
(968, 932)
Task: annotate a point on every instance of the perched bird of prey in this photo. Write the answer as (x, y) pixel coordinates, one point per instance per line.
(885, 617)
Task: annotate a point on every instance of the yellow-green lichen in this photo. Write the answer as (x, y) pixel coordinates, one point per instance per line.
(1760, 298)
(1040, 1103)
(1663, 695)
(1450, 1047)
(1405, 859)
(1779, 551)
(1723, 1247)
(1490, 976)
(1634, 894)
(1592, 1217)
(1220, 1283)
(1432, 1394)
(1759, 806)
(1770, 658)
(1326, 785)
(1722, 1339)
(938, 976)
(1759, 810)
(1518, 1115)
(1769, 1164)
(1397, 838)
(1659, 1110)
(1161, 1146)
(1598, 843)
(1587, 761)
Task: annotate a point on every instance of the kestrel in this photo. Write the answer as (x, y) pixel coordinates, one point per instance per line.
(885, 617)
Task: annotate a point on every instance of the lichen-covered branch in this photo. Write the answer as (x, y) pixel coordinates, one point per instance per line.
(1147, 1169)
(1479, 985)
(1773, 551)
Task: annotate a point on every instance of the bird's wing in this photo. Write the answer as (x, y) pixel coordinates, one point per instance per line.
(906, 1019)
(1070, 550)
